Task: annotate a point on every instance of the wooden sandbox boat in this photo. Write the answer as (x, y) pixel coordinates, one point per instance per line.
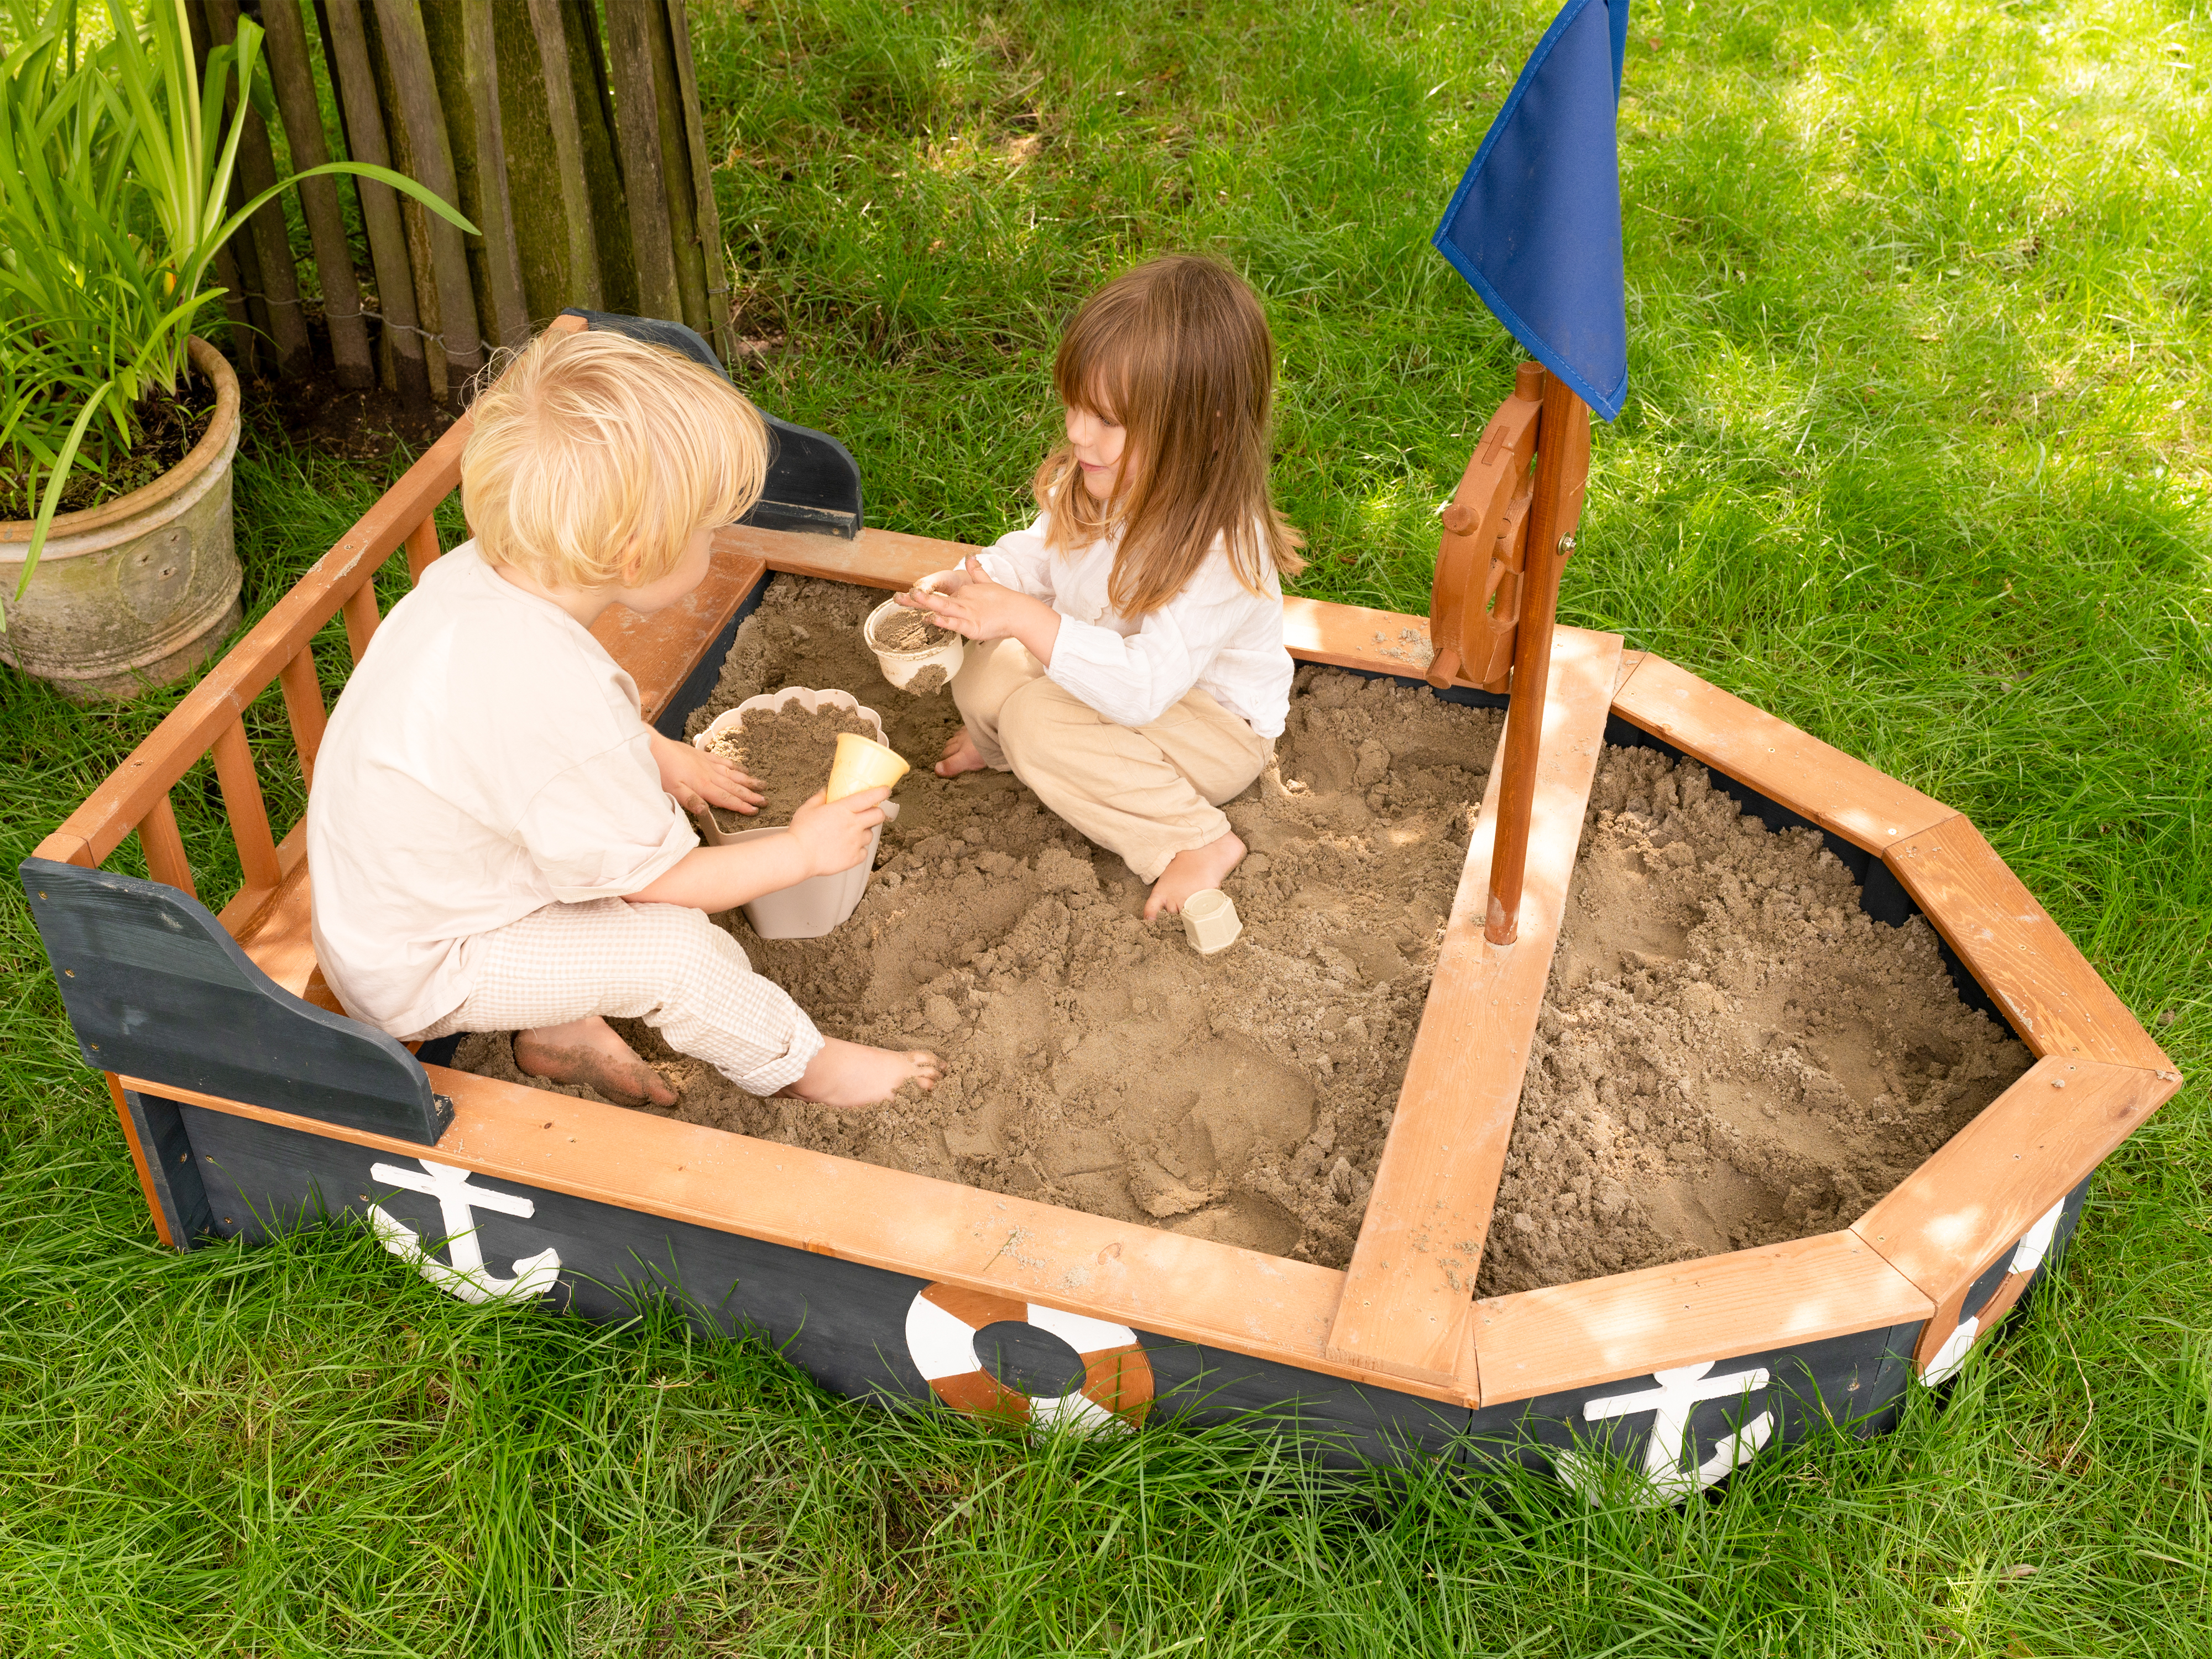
(253, 1105)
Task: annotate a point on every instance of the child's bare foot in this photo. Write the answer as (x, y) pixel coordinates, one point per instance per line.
(588, 1051)
(961, 754)
(849, 1074)
(1194, 872)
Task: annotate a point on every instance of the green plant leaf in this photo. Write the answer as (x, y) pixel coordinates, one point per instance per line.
(53, 495)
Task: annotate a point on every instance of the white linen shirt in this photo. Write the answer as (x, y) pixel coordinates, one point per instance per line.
(486, 759)
(1216, 636)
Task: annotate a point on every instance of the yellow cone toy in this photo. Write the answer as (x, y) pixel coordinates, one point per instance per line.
(862, 764)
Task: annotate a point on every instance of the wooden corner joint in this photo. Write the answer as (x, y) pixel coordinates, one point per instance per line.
(2051, 993)
(1448, 1362)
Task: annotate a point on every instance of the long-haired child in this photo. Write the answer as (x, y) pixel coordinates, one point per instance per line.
(1133, 672)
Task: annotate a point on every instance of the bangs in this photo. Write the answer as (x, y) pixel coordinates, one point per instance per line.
(1100, 365)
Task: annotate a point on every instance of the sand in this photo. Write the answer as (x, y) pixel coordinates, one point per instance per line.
(789, 751)
(910, 630)
(1731, 1053)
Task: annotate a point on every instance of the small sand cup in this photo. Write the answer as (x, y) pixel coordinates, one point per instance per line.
(1210, 921)
(862, 764)
(903, 668)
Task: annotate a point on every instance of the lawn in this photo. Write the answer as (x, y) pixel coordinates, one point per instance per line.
(1915, 456)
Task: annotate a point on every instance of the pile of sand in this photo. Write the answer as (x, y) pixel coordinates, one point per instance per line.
(1731, 1053)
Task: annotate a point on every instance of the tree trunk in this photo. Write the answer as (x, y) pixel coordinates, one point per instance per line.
(272, 239)
(630, 26)
(355, 75)
(602, 163)
(407, 58)
(706, 218)
(293, 73)
(547, 188)
(460, 36)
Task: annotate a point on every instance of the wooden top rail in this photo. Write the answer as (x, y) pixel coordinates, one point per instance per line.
(137, 788)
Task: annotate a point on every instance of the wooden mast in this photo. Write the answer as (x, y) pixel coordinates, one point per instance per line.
(1563, 445)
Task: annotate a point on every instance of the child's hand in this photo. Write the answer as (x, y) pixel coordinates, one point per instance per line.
(981, 609)
(835, 833)
(938, 581)
(698, 778)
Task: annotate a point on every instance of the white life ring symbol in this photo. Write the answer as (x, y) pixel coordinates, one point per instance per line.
(940, 1334)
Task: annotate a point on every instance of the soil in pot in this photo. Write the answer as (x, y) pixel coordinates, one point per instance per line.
(788, 750)
(1097, 1061)
(168, 426)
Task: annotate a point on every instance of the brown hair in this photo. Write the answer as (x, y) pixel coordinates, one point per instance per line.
(1178, 351)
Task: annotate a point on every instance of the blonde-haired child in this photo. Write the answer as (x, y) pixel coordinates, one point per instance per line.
(1134, 673)
(491, 826)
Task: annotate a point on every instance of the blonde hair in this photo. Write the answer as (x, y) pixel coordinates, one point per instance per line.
(1178, 351)
(592, 449)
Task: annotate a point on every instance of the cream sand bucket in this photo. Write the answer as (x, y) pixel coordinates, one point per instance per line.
(816, 905)
(904, 668)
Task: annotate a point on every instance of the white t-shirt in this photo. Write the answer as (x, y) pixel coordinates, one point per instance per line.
(1216, 636)
(486, 759)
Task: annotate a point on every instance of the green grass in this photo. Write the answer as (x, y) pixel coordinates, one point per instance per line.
(1915, 457)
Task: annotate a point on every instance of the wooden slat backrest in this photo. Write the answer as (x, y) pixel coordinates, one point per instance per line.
(136, 796)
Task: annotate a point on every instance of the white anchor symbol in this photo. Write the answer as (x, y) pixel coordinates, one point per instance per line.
(1680, 1391)
(466, 1278)
(2027, 1256)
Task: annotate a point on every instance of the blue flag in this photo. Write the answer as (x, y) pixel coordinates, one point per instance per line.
(1535, 225)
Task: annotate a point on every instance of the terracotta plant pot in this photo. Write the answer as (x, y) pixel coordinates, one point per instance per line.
(814, 906)
(141, 590)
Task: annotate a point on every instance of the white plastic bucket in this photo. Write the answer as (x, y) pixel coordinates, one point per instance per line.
(902, 668)
(819, 903)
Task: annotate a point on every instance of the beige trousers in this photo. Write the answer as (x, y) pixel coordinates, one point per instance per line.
(1147, 792)
(666, 964)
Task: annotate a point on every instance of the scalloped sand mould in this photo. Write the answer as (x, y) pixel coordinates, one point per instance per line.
(1731, 1053)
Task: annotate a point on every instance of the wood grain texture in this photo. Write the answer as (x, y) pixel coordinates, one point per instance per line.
(304, 710)
(257, 917)
(1474, 601)
(422, 548)
(291, 72)
(1406, 1294)
(1260, 1305)
(354, 79)
(243, 806)
(1572, 1336)
(1554, 511)
(1946, 1221)
(875, 558)
(660, 651)
(163, 845)
(1937, 1331)
(2054, 999)
(130, 1138)
(1868, 808)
